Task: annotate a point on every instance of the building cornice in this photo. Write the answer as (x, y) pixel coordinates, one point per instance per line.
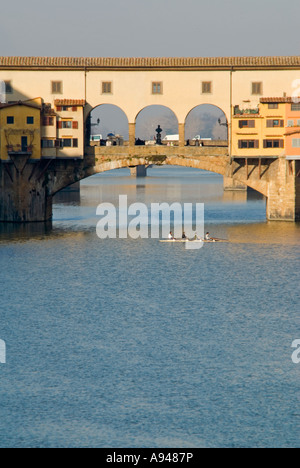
(158, 63)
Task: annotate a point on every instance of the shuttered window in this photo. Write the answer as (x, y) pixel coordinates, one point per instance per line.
(106, 87)
(248, 144)
(206, 87)
(257, 88)
(273, 144)
(275, 123)
(56, 87)
(247, 124)
(67, 124)
(157, 87)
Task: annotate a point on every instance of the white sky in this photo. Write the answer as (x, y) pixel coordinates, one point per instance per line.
(149, 28)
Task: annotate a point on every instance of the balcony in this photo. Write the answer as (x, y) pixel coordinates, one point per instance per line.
(238, 111)
(19, 150)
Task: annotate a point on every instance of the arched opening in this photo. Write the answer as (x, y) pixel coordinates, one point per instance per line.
(107, 124)
(206, 124)
(147, 122)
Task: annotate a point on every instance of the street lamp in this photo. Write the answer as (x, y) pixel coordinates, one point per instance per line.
(224, 124)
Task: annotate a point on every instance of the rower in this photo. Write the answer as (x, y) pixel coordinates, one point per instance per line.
(184, 236)
(207, 236)
(171, 237)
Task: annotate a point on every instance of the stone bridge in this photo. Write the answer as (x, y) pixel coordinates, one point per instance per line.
(27, 187)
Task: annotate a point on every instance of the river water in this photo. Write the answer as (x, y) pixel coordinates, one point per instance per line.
(135, 343)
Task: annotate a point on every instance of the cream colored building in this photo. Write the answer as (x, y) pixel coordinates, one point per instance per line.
(132, 84)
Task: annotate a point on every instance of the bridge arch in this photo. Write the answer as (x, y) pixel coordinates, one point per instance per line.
(149, 117)
(106, 118)
(208, 120)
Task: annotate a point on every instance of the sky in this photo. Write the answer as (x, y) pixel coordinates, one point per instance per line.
(149, 28)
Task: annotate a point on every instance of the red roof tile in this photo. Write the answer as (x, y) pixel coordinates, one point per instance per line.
(154, 62)
(69, 102)
(278, 100)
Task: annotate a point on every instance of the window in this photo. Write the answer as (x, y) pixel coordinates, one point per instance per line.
(290, 123)
(67, 124)
(247, 124)
(106, 87)
(68, 143)
(243, 144)
(157, 87)
(295, 107)
(30, 120)
(206, 87)
(56, 87)
(275, 123)
(296, 143)
(298, 123)
(10, 120)
(273, 144)
(48, 121)
(8, 87)
(257, 88)
(48, 143)
(273, 106)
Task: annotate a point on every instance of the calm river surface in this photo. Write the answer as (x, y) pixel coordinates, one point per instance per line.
(134, 343)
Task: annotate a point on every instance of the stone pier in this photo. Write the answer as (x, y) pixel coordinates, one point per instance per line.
(24, 196)
(138, 171)
(283, 203)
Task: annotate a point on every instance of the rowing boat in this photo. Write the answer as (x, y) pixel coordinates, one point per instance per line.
(196, 241)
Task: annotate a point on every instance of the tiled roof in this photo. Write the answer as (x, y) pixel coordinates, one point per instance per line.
(163, 62)
(279, 100)
(19, 103)
(69, 102)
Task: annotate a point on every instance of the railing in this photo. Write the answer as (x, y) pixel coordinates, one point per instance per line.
(19, 149)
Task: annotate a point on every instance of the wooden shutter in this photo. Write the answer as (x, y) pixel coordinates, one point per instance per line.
(75, 125)
(256, 144)
(240, 144)
(251, 123)
(265, 143)
(74, 109)
(281, 123)
(281, 144)
(269, 123)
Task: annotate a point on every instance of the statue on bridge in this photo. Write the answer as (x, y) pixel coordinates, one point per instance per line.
(158, 136)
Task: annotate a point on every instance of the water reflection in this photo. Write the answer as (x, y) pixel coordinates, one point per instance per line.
(238, 216)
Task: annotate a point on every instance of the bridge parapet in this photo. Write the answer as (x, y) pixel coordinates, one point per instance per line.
(157, 150)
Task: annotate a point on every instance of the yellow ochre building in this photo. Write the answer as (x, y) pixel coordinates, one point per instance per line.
(271, 129)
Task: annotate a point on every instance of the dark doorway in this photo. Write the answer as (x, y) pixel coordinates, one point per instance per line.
(24, 144)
